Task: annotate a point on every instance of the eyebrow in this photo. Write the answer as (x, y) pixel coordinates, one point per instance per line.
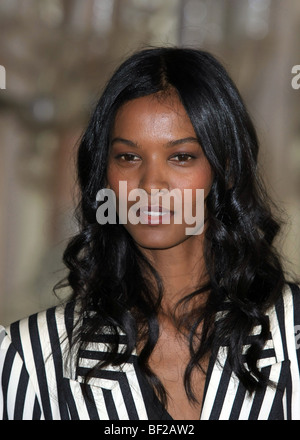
(169, 144)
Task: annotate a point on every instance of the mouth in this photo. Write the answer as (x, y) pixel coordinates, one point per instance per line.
(154, 215)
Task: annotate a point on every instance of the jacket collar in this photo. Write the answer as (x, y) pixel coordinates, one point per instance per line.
(225, 397)
(221, 383)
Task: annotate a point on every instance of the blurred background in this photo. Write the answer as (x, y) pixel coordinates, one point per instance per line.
(58, 54)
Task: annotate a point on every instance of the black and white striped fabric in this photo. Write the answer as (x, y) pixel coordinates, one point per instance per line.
(39, 382)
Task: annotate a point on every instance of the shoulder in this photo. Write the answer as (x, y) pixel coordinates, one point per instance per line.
(287, 306)
(32, 363)
(284, 319)
(40, 335)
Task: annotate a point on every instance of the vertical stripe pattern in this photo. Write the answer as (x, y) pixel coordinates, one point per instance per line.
(38, 380)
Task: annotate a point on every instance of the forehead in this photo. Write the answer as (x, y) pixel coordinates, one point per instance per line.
(153, 114)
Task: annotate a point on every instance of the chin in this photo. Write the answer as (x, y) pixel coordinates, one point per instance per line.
(157, 239)
(156, 246)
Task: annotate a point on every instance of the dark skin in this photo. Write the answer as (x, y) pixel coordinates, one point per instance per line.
(154, 146)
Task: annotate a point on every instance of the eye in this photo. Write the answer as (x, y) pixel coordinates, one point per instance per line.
(182, 157)
(127, 157)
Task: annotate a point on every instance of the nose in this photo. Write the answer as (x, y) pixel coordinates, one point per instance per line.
(153, 177)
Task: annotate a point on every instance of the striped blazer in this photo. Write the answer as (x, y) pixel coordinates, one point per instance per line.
(39, 382)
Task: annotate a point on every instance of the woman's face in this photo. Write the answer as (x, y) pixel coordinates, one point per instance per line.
(154, 147)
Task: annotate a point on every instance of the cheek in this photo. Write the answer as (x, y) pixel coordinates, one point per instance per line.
(114, 175)
(120, 184)
(200, 179)
(207, 182)
(113, 178)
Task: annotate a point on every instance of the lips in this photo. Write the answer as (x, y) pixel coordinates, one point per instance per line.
(154, 215)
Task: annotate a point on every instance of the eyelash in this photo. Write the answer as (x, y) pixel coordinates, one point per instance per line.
(130, 157)
(185, 155)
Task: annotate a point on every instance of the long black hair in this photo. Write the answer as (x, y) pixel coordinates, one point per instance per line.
(113, 281)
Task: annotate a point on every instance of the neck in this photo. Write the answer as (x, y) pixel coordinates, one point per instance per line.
(181, 269)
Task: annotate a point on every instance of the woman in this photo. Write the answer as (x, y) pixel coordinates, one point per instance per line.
(165, 324)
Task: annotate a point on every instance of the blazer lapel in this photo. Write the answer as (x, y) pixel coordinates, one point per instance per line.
(226, 398)
(115, 389)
